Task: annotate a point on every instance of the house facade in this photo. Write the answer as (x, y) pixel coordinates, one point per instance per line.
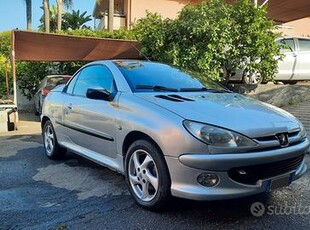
(290, 20)
(128, 11)
(299, 27)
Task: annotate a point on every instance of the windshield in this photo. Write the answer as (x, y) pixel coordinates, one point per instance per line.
(143, 76)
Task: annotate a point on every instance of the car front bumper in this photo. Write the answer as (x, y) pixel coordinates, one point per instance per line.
(185, 170)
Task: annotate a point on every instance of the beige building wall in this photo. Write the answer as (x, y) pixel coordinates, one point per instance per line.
(167, 8)
(299, 27)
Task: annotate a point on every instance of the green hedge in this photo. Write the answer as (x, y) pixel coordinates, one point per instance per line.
(212, 37)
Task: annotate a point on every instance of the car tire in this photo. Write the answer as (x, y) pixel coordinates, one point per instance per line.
(147, 175)
(292, 82)
(36, 111)
(52, 149)
(40, 109)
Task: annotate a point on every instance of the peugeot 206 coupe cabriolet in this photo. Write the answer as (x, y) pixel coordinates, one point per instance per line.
(171, 134)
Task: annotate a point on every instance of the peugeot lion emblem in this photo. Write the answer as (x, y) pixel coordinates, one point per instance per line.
(283, 139)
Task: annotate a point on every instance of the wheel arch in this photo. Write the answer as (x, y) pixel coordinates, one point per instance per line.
(43, 121)
(134, 136)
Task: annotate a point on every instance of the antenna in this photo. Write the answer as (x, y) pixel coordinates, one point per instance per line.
(140, 52)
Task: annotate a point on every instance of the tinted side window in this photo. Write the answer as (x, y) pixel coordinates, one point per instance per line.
(96, 77)
(304, 44)
(287, 45)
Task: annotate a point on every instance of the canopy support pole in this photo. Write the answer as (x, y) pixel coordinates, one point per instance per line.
(13, 64)
(7, 80)
(14, 68)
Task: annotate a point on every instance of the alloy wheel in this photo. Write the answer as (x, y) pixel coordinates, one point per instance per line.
(49, 139)
(252, 78)
(143, 175)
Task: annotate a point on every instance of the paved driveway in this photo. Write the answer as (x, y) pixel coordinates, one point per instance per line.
(37, 193)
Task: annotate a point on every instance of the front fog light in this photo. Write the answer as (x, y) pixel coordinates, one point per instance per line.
(208, 179)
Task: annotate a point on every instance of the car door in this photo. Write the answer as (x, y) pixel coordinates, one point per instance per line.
(287, 66)
(303, 59)
(90, 123)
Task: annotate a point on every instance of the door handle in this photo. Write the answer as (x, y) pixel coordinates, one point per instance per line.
(69, 109)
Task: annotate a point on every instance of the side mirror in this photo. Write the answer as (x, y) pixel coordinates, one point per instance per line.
(99, 94)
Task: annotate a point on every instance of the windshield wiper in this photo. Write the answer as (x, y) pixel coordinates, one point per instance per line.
(156, 88)
(204, 89)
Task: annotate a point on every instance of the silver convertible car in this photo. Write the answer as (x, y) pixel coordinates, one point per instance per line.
(170, 134)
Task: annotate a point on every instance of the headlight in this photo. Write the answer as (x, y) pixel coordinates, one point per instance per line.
(303, 132)
(218, 137)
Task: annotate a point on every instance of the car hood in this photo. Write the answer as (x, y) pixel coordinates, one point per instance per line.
(229, 110)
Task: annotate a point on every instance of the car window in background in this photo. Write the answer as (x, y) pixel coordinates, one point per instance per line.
(286, 45)
(42, 84)
(54, 81)
(304, 44)
(95, 77)
(138, 73)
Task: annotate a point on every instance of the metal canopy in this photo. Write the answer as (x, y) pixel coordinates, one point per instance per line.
(284, 10)
(288, 10)
(33, 46)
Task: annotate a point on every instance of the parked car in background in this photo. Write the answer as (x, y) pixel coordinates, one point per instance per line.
(172, 135)
(294, 67)
(46, 85)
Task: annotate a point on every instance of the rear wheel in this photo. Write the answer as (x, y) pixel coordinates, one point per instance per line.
(291, 82)
(147, 175)
(51, 146)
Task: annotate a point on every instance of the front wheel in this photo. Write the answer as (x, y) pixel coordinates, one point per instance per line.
(147, 175)
(51, 146)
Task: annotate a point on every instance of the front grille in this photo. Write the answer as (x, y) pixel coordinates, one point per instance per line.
(274, 138)
(251, 174)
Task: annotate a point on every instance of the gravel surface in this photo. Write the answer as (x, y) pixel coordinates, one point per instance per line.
(282, 95)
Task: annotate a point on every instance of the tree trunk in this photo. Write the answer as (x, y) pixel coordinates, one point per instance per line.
(29, 14)
(46, 9)
(59, 14)
(111, 15)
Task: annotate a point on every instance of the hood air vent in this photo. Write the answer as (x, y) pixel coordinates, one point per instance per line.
(174, 97)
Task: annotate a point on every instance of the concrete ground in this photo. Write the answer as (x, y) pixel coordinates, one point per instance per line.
(74, 193)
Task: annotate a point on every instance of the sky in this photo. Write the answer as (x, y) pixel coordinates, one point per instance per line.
(13, 12)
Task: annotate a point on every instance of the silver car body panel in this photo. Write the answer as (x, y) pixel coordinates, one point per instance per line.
(97, 129)
(185, 185)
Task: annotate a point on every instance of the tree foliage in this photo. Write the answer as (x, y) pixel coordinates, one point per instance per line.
(75, 20)
(5, 45)
(70, 21)
(68, 4)
(212, 36)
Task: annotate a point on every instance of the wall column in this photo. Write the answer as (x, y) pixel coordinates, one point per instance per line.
(111, 15)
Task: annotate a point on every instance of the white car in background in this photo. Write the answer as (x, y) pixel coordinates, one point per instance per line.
(295, 65)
